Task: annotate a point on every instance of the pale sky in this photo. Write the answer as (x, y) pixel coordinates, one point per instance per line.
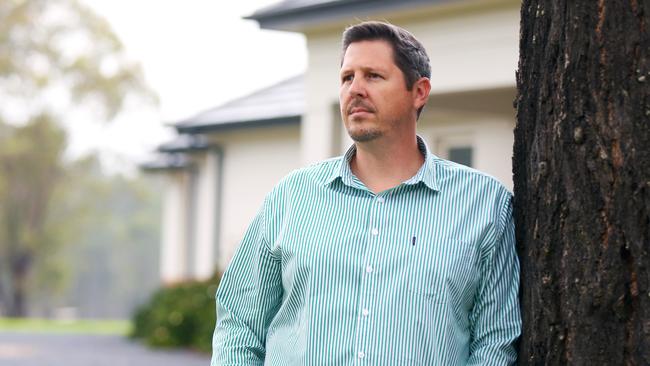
(196, 54)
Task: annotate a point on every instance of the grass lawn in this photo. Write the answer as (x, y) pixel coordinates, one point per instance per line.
(116, 327)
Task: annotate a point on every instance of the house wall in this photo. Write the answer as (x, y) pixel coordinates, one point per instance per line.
(489, 135)
(254, 160)
(208, 207)
(206, 204)
(173, 256)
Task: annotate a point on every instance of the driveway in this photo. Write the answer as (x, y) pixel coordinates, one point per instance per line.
(29, 349)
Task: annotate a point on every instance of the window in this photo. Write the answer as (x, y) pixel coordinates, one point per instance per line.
(455, 145)
(460, 155)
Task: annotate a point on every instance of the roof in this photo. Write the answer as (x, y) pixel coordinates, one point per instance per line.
(166, 162)
(294, 15)
(184, 143)
(282, 103)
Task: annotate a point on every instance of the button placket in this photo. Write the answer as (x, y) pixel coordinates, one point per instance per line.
(368, 278)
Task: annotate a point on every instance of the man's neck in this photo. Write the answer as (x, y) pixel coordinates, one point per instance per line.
(382, 165)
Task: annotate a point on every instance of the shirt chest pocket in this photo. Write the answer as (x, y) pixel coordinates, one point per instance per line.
(442, 269)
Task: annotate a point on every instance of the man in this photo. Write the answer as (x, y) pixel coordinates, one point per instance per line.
(385, 256)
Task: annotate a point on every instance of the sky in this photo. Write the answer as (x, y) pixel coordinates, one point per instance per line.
(195, 54)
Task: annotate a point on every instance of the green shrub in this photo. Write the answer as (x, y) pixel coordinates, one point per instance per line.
(182, 315)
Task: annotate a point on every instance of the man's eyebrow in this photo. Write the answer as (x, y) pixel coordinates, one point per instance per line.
(364, 69)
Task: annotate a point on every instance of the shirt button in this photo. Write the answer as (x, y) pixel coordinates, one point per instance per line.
(361, 355)
(369, 269)
(380, 199)
(375, 231)
(365, 312)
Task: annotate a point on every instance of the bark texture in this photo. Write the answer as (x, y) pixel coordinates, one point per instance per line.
(582, 182)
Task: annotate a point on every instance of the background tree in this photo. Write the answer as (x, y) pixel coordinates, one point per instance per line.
(582, 182)
(56, 58)
(116, 242)
(30, 167)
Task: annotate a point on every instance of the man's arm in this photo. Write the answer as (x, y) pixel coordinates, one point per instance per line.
(495, 318)
(249, 295)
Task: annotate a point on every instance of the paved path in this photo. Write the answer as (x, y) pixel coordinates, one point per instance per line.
(29, 349)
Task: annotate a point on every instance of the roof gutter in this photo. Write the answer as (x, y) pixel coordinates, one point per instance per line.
(220, 127)
(298, 18)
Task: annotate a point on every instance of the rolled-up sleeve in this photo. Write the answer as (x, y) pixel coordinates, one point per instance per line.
(495, 318)
(248, 298)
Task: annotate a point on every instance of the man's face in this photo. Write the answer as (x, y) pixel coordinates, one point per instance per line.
(373, 97)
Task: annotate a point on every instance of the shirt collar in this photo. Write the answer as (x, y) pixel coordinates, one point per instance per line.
(426, 174)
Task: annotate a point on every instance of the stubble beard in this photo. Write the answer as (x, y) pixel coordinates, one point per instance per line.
(364, 134)
(359, 133)
(354, 126)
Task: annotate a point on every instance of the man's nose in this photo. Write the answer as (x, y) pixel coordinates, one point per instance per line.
(358, 87)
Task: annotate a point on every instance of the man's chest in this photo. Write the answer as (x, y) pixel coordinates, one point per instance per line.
(402, 244)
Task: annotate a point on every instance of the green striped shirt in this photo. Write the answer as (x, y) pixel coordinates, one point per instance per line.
(329, 273)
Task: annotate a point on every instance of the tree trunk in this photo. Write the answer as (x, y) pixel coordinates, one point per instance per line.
(20, 268)
(18, 310)
(14, 296)
(582, 182)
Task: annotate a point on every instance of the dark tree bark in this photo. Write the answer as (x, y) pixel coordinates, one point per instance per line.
(582, 182)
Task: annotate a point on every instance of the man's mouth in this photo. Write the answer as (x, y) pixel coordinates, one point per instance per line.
(358, 110)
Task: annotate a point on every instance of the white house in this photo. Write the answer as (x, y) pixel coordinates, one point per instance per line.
(226, 159)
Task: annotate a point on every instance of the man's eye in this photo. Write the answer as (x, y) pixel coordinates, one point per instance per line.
(346, 78)
(374, 76)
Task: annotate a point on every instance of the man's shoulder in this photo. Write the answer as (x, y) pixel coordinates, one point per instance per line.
(309, 176)
(458, 176)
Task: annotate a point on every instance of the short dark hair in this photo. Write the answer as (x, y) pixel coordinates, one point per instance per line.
(408, 53)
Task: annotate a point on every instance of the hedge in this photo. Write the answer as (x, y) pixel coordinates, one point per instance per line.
(181, 315)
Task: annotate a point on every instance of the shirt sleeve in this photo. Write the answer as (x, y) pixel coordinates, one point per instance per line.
(495, 318)
(248, 298)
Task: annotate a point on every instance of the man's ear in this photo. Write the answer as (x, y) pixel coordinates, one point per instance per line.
(421, 90)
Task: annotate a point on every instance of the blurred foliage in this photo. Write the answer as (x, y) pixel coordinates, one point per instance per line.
(56, 55)
(30, 170)
(111, 225)
(56, 58)
(182, 315)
